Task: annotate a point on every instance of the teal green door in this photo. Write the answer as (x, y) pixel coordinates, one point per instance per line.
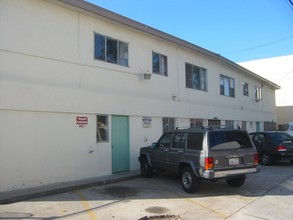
(120, 144)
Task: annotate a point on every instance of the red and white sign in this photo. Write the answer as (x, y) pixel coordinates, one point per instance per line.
(81, 121)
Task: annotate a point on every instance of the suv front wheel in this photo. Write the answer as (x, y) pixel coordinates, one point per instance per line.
(189, 181)
(145, 168)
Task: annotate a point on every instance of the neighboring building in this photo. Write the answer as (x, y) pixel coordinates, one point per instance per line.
(284, 114)
(82, 89)
(279, 70)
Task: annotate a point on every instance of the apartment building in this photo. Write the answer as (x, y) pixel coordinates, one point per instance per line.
(83, 88)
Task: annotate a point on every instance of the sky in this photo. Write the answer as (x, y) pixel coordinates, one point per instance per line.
(240, 30)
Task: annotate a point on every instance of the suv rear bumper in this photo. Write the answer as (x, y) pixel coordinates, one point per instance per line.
(211, 174)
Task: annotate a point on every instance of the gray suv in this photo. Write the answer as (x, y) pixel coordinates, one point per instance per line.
(204, 153)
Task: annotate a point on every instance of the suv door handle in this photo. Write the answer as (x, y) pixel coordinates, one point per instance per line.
(166, 150)
(180, 151)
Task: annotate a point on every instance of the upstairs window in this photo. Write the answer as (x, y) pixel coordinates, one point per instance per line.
(160, 64)
(111, 50)
(245, 88)
(258, 93)
(195, 77)
(227, 86)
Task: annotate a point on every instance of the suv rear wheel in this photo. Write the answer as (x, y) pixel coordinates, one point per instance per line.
(189, 181)
(236, 182)
(145, 169)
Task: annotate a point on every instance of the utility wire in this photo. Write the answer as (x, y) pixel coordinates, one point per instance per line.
(285, 76)
(262, 45)
(291, 2)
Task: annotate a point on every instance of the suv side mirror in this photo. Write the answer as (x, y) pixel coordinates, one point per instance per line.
(154, 145)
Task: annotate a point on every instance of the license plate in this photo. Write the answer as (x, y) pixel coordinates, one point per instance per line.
(233, 161)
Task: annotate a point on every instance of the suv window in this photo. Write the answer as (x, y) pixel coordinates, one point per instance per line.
(166, 140)
(194, 141)
(220, 140)
(179, 140)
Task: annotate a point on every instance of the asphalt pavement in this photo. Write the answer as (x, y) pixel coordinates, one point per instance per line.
(265, 195)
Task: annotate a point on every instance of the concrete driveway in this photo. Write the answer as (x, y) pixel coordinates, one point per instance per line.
(266, 195)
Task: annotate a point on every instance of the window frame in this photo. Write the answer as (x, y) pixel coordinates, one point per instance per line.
(227, 86)
(160, 66)
(258, 93)
(196, 145)
(196, 72)
(106, 129)
(196, 123)
(168, 124)
(245, 88)
(162, 141)
(179, 143)
(111, 50)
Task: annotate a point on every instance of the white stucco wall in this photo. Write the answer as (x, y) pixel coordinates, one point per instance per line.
(39, 148)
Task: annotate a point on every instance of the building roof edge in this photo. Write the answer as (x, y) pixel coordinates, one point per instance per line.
(89, 7)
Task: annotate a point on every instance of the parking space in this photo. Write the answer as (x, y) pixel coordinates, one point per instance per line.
(266, 195)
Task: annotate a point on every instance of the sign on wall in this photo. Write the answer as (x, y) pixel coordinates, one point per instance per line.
(81, 121)
(146, 122)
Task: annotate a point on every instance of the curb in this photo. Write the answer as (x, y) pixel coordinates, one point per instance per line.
(26, 194)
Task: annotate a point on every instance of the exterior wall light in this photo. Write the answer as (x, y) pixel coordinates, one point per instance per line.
(147, 75)
(144, 74)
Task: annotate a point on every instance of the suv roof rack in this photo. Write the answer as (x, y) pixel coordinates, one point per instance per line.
(207, 127)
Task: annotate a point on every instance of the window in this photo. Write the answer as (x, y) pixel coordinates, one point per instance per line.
(258, 138)
(227, 86)
(168, 124)
(194, 141)
(243, 125)
(229, 124)
(102, 128)
(179, 140)
(258, 93)
(223, 140)
(245, 88)
(160, 64)
(111, 50)
(195, 123)
(195, 77)
(215, 123)
(166, 140)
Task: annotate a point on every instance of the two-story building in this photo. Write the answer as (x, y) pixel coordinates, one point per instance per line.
(83, 88)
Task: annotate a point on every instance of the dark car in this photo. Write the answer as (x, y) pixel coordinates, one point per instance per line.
(205, 153)
(272, 146)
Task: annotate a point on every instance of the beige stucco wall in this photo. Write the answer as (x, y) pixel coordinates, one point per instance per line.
(284, 114)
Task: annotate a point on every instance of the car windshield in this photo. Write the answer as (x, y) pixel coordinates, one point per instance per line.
(280, 137)
(222, 140)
